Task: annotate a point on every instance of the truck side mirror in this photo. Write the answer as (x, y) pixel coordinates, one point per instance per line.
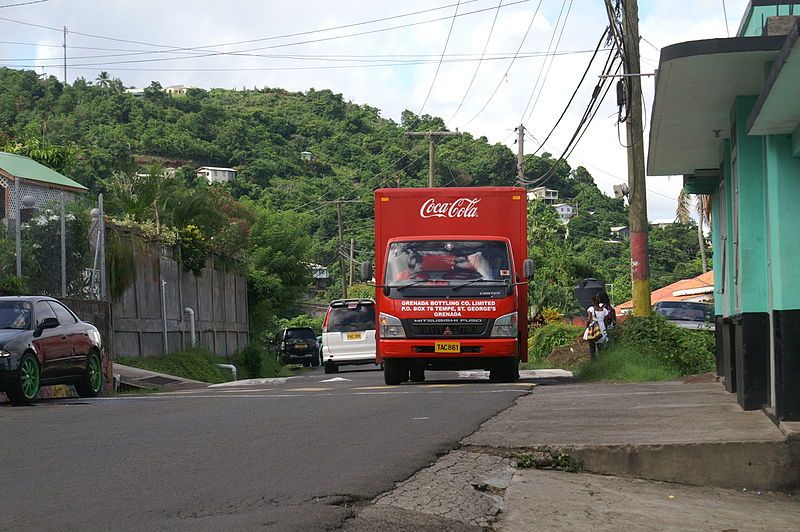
(528, 268)
(366, 271)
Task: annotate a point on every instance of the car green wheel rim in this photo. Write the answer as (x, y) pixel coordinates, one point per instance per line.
(95, 373)
(29, 378)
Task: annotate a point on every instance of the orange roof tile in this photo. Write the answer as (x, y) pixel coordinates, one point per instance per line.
(700, 284)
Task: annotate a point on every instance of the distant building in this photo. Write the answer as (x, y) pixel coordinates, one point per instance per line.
(216, 174)
(139, 93)
(662, 223)
(549, 195)
(322, 278)
(622, 231)
(565, 211)
(42, 185)
(177, 90)
(698, 289)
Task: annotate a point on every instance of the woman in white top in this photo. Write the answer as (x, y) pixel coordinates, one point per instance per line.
(596, 313)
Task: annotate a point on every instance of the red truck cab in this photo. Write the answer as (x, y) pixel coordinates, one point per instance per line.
(451, 288)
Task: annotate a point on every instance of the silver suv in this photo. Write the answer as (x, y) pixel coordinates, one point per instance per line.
(348, 334)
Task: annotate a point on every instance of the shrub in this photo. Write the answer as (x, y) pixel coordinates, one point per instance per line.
(684, 350)
(249, 360)
(551, 336)
(196, 363)
(303, 320)
(551, 314)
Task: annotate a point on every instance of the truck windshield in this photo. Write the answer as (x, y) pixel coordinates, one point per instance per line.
(445, 265)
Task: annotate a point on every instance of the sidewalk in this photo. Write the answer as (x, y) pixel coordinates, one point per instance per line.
(666, 456)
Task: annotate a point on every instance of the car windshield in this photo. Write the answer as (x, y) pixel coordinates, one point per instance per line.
(685, 311)
(301, 334)
(437, 267)
(15, 315)
(352, 317)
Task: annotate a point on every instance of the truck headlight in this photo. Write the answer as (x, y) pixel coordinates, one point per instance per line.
(505, 326)
(391, 327)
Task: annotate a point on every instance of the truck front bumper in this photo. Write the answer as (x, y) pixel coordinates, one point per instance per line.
(425, 348)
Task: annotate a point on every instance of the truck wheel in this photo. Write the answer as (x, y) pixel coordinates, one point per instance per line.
(394, 372)
(417, 375)
(506, 370)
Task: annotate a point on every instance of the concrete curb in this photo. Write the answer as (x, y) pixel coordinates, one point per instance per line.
(766, 466)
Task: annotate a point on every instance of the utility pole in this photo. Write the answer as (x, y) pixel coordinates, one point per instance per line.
(352, 258)
(432, 148)
(340, 249)
(637, 217)
(520, 154)
(65, 55)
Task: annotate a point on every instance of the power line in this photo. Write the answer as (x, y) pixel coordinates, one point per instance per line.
(725, 14)
(541, 68)
(207, 52)
(575, 92)
(480, 61)
(31, 2)
(439, 65)
(504, 76)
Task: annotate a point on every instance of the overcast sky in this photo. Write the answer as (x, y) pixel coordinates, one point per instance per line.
(380, 63)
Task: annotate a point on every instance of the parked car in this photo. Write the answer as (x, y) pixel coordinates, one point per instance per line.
(42, 342)
(348, 334)
(297, 345)
(687, 314)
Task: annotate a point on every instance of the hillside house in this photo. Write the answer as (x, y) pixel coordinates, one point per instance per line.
(216, 174)
(548, 195)
(565, 211)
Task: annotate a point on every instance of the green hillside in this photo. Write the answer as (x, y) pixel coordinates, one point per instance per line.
(97, 133)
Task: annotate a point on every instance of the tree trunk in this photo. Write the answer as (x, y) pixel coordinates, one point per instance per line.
(702, 241)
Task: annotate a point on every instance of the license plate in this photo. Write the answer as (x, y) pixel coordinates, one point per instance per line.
(300, 346)
(354, 336)
(447, 347)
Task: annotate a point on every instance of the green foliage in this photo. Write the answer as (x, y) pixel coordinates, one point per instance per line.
(303, 320)
(684, 350)
(197, 363)
(256, 361)
(625, 363)
(526, 461)
(41, 250)
(651, 349)
(361, 291)
(194, 249)
(549, 337)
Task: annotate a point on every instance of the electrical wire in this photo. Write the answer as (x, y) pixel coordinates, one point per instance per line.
(480, 61)
(439, 65)
(725, 14)
(206, 52)
(513, 59)
(522, 119)
(31, 2)
(575, 92)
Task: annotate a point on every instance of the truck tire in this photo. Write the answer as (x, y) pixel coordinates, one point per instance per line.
(394, 372)
(506, 370)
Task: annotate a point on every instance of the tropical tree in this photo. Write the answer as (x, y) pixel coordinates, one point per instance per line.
(103, 80)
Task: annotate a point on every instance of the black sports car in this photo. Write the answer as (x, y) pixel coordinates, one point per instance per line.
(42, 342)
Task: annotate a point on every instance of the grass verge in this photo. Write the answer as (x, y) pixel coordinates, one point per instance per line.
(197, 363)
(625, 363)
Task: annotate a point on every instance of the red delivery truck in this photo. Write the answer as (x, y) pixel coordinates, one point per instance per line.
(451, 273)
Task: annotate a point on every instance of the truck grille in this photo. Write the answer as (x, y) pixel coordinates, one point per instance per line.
(446, 329)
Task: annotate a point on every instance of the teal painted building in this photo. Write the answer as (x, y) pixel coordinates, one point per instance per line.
(726, 116)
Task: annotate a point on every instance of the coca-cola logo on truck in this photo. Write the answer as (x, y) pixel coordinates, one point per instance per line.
(459, 208)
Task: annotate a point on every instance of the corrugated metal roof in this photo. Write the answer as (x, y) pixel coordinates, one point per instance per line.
(27, 168)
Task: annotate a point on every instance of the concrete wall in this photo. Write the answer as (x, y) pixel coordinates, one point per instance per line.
(218, 298)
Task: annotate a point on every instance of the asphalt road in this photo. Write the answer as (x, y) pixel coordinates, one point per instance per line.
(285, 456)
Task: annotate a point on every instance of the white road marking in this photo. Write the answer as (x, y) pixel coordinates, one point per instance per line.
(252, 382)
(336, 379)
(420, 418)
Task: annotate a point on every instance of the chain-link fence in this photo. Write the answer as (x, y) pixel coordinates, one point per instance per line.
(56, 249)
